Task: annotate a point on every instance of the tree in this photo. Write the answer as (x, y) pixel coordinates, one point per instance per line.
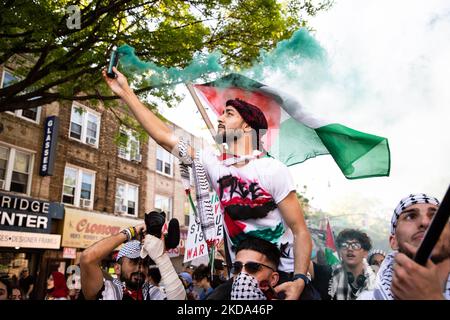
(55, 63)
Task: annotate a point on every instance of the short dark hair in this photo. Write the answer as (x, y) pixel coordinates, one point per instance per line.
(201, 272)
(265, 247)
(350, 234)
(155, 274)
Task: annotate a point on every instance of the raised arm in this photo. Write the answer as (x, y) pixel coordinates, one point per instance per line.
(154, 126)
(90, 261)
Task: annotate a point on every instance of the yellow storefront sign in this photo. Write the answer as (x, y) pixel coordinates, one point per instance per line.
(82, 228)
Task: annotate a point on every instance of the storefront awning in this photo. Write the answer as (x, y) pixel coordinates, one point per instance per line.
(29, 240)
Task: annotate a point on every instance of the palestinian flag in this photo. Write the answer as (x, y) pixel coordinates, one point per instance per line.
(295, 136)
(330, 247)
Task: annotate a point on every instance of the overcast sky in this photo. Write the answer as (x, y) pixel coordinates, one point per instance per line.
(390, 62)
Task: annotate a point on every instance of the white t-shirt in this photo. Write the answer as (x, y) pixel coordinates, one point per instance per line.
(249, 196)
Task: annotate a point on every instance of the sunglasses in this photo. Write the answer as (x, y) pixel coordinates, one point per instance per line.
(251, 267)
(352, 245)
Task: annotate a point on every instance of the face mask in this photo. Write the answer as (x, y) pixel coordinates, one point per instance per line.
(245, 287)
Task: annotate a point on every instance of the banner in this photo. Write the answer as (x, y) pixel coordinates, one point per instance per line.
(195, 246)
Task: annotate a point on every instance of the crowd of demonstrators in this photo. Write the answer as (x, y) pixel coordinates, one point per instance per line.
(144, 270)
(400, 277)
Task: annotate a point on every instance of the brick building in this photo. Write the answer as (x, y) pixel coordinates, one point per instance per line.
(64, 158)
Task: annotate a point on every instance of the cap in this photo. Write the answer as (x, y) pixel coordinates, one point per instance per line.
(131, 250)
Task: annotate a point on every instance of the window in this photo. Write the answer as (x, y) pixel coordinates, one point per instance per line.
(78, 187)
(164, 161)
(15, 170)
(127, 198)
(129, 145)
(32, 114)
(187, 212)
(84, 125)
(165, 204)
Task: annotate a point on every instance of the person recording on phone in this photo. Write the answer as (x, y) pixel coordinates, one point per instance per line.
(400, 277)
(267, 205)
(134, 259)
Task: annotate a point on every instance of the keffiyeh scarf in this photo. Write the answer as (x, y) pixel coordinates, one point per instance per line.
(245, 287)
(384, 279)
(340, 289)
(205, 214)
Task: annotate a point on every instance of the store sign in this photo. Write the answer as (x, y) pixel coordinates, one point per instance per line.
(29, 240)
(28, 215)
(82, 229)
(69, 253)
(49, 146)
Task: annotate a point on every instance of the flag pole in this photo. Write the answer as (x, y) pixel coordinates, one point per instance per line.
(201, 109)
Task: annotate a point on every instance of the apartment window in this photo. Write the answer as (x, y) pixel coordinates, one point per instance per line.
(32, 114)
(129, 145)
(84, 125)
(165, 204)
(127, 198)
(15, 170)
(78, 187)
(164, 161)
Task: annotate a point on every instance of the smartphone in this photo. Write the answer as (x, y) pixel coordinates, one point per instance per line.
(113, 62)
(434, 231)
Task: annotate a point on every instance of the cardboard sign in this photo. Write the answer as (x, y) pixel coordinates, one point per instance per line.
(195, 244)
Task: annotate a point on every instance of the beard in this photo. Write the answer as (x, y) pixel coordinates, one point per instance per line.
(440, 253)
(228, 136)
(135, 281)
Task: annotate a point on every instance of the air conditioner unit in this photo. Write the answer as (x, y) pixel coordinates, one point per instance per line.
(85, 203)
(2, 184)
(137, 158)
(120, 208)
(91, 140)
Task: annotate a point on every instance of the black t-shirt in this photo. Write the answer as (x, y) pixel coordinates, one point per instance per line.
(322, 276)
(25, 283)
(222, 292)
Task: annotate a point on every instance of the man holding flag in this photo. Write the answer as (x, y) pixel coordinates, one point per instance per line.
(256, 192)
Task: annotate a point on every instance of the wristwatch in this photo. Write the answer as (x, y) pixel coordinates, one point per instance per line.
(301, 276)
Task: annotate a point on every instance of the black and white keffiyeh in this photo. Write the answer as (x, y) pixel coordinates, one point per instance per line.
(130, 249)
(205, 210)
(383, 283)
(339, 288)
(245, 287)
(408, 201)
